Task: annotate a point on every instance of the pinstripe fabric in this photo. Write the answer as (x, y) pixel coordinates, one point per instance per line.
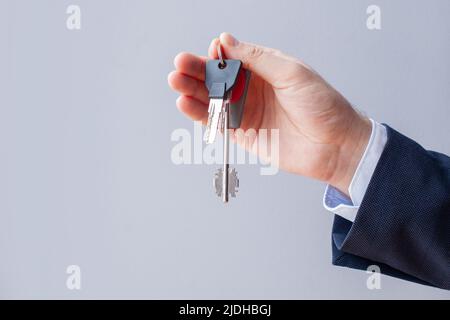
(403, 223)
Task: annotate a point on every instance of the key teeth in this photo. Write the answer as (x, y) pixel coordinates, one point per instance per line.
(217, 182)
(233, 182)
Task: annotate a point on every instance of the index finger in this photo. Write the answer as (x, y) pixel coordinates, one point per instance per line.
(191, 65)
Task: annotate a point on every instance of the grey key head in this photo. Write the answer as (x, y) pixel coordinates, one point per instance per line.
(233, 182)
(220, 80)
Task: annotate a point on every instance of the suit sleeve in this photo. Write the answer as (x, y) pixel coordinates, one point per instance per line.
(403, 223)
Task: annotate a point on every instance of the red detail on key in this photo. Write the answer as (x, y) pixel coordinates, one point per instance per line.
(238, 88)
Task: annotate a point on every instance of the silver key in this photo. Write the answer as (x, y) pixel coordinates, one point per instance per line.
(215, 114)
(220, 78)
(226, 181)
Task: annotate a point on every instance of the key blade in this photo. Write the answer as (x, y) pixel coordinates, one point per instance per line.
(209, 122)
(217, 182)
(215, 114)
(226, 147)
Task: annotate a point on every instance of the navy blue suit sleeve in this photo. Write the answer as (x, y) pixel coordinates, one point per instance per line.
(403, 223)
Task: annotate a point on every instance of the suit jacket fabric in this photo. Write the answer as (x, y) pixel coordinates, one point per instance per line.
(403, 223)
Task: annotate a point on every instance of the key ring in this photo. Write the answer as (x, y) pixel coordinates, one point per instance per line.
(222, 63)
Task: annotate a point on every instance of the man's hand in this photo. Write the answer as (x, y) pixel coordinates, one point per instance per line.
(321, 135)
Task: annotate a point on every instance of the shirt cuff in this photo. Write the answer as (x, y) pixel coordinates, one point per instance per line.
(347, 207)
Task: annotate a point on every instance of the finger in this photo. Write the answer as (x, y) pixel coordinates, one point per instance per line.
(193, 108)
(191, 65)
(269, 64)
(212, 51)
(188, 86)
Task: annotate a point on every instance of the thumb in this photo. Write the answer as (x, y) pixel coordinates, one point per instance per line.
(270, 64)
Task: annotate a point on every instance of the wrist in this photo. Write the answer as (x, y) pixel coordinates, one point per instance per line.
(350, 152)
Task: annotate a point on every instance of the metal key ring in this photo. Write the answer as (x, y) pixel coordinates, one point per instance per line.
(222, 63)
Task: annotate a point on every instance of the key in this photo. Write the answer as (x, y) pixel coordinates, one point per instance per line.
(227, 84)
(226, 181)
(221, 76)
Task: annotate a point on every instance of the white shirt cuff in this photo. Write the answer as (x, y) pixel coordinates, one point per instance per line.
(337, 202)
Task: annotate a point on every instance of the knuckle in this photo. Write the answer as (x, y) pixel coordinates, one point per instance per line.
(255, 52)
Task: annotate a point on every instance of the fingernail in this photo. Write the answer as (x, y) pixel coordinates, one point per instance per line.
(228, 40)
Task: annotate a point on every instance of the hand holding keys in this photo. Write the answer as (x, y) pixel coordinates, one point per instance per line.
(319, 134)
(227, 83)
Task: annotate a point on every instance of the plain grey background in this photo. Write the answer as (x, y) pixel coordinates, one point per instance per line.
(85, 171)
